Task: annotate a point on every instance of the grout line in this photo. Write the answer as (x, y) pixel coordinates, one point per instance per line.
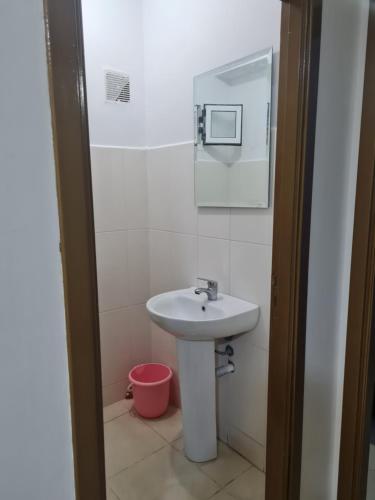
(113, 404)
(224, 488)
(113, 493)
(211, 237)
(162, 230)
(195, 234)
(198, 466)
(103, 311)
(171, 145)
(252, 439)
(124, 381)
(158, 433)
(137, 462)
(114, 418)
(142, 148)
(134, 414)
(111, 146)
(238, 477)
(253, 344)
(121, 230)
(181, 452)
(112, 231)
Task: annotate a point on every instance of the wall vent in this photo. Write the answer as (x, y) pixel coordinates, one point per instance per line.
(117, 86)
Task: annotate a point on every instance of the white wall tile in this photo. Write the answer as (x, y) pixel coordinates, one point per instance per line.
(249, 398)
(173, 261)
(161, 278)
(247, 447)
(139, 333)
(125, 342)
(108, 180)
(163, 346)
(163, 349)
(114, 392)
(135, 191)
(184, 214)
(213, 261)
(252, 225)
(115, 341)
(159, 189)
(171, 189)
(184, 260)
(111, 253)
(138, 283)
(214, 222)
(120, 202)
(251, 280)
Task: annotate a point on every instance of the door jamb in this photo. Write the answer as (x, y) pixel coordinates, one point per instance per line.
(65, 55)
(299, 66)
(298, 89)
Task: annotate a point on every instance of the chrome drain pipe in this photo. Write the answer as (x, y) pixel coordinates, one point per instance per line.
(225, 369)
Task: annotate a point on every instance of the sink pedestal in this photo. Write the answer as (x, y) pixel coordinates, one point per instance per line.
(196, 366)
(196, 326)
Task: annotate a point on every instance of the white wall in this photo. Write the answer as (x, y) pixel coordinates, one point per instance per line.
(113, 36)
(338, 122)
(35, 430)
(185, 38)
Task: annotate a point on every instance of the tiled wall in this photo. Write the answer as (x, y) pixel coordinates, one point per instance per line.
(120, 208)
(151, 238)
(232, 246)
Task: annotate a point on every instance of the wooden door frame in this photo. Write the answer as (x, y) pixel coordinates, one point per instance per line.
(64, 40)
(299, 67)
(359, 376)
(298, 89)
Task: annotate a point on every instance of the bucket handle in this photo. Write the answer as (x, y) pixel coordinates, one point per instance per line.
(129, 392)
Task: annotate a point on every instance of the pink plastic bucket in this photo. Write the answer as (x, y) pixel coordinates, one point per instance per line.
(151, 383)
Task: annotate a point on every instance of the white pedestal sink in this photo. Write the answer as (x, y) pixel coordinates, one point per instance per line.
(197, 323)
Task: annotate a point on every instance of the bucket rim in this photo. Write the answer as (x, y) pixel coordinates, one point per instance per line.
(150, 384)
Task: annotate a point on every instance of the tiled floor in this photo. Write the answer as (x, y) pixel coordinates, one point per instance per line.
(145, 461)
(371, 474)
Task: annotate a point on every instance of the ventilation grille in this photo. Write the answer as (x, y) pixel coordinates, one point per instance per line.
(117, 86)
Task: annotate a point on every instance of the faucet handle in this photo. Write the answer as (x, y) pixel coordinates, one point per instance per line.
(210, 283)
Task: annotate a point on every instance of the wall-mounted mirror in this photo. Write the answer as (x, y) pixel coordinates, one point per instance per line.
(232, 106)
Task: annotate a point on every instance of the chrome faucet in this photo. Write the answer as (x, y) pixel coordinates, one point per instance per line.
(211, 289)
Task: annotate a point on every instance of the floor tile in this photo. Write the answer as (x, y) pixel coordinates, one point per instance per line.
(114, 392)
(165, 475)
(222, 495)
(127, 441)
(169, 425)
(178, 444)
(249, 486)
(371, 485)
(111, 495)
(371, 464)
(227, 466)
(116, 409)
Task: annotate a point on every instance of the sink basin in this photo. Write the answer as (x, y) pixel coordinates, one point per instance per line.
(193, 317)
(196, 323)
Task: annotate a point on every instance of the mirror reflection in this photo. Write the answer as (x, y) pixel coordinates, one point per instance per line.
(232, 136)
